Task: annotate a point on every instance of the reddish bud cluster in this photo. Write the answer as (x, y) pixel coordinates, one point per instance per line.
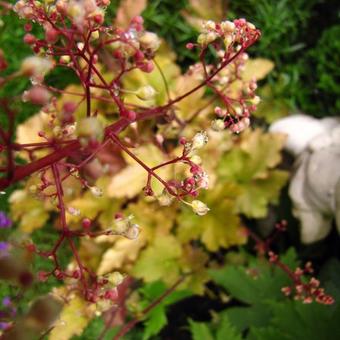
(303, 289)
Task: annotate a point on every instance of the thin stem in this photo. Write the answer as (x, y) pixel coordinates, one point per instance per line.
(142, 164)
(125, 329)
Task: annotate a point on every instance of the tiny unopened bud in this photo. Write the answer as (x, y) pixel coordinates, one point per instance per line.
(196, 159)
(251, 26)
(227, 26)
(146, 67)
(37, 95)
(133, 232)
(199, 207)
(97, 192)
(240, 126)
(149, 41)
(146, 92)
(129, 114)
(73, 211)
(219, 112)
(36, 66)
(95, 35)
(65, 59)
(115, 278)
(255, 100)
(86, 223)
(209, 25)
(217, 125)
(165, 199)
(80, 46)
(29, 39)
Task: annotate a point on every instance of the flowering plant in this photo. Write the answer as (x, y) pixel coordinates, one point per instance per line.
(129, 126)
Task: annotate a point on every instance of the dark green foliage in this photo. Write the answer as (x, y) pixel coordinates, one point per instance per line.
(268, 314)
(223, 330)
(324, 73)
(298, 36)
(156, 319)
(164, 17)
(94, 329)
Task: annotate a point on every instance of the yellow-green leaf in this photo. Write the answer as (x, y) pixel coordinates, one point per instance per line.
(73, 320)
(220, 227)
(257, 69)
(160, 261)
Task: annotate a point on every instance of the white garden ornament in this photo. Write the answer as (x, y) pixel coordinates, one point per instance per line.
(315, 184)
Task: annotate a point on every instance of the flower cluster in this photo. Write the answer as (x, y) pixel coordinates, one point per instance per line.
(303, 289)
(72, 139)
(229, 40)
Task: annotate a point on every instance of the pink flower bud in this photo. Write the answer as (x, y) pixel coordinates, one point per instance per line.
(37, 95)
(146, 67)
(29, 39)
(129, 114)
(86, 223)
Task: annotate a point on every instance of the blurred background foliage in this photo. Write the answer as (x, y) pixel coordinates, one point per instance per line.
(301, 37)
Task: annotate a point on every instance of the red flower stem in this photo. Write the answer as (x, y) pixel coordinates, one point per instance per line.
(23, 171)
(149, 170)
(125, 329)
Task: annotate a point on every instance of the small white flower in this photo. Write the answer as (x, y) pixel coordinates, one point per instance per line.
(199, 140)
(199, 207)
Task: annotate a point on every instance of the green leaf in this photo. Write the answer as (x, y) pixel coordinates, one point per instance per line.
(200, 331)
(257, 283)
(156, 319)
(245, 317)
(223, 330)
(226, 331)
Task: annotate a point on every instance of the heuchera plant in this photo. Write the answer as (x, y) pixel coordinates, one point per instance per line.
(75, 37)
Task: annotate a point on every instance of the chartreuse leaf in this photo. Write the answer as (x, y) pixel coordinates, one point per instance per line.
(30, 213)
(160, 260)
(249, 165)
(75, 316)
(255, 198)
(156, 319)
(221, 227)
(130, 181)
